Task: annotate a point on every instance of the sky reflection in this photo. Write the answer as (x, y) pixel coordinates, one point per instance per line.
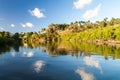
(93, 63)
(84, 74)
(28, 54)
(13, 54)
(38, 66)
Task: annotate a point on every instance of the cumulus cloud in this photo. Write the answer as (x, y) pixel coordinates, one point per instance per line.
(79, 4)
(92, 63)
(91, 13)
(84, 74)
(37, 13)
(28, 24)
(38, 66)
(12, 25)
(23, 25)
(28, 54)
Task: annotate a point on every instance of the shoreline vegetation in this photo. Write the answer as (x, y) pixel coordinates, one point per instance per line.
(100, 32)
(101, 37)
(75, 49)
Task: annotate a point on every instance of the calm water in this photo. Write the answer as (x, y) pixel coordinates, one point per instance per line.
(62, 61)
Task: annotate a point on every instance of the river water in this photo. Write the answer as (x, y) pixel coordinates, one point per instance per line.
(62, 61)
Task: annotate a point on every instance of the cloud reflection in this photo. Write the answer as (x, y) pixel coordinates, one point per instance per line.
(38, 65)
(84, 74)
(92, 63)
(13, 54)
(28, 54)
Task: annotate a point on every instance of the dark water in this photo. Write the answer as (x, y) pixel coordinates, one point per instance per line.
(59, 61)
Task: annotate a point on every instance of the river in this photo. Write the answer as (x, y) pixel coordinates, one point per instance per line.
(59, 61)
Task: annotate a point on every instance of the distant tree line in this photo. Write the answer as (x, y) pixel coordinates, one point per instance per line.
(7, 38)
(78, 30)
(85, 30)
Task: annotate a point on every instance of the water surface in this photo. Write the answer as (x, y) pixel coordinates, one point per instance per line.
(60, 61)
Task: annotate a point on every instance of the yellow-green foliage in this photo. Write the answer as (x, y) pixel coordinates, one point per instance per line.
(80, 48)
(105, 33)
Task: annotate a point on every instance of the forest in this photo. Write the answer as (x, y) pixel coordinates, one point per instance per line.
(100, 31)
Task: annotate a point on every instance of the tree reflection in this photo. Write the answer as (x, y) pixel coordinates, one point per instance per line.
(73, 48)
(80, 49)
(7, 48)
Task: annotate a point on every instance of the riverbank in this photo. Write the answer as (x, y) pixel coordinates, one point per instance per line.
(111, 43)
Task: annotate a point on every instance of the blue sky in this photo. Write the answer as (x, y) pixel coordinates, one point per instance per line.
(32, 15)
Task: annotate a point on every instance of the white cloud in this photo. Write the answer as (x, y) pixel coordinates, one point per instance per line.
(38, 65)
(37, 13)
(79, 4)
(12, 25)
(2, 29)
(84, 74)
(28, 24)
(28, 54)
(91, 13)
(93, 63)
(23, 25)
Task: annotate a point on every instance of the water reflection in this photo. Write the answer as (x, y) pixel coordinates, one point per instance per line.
(8, 48)
(38, 65)
(28, 54)
(77, 49)
(25, 45)
(70, 56)
(65, 48)
(85, 75)
(13, 53)
(93, 63)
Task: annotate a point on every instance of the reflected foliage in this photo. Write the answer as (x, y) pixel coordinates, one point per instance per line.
(69, 48)
(77, 49)
(7, 48)
(9, 41)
